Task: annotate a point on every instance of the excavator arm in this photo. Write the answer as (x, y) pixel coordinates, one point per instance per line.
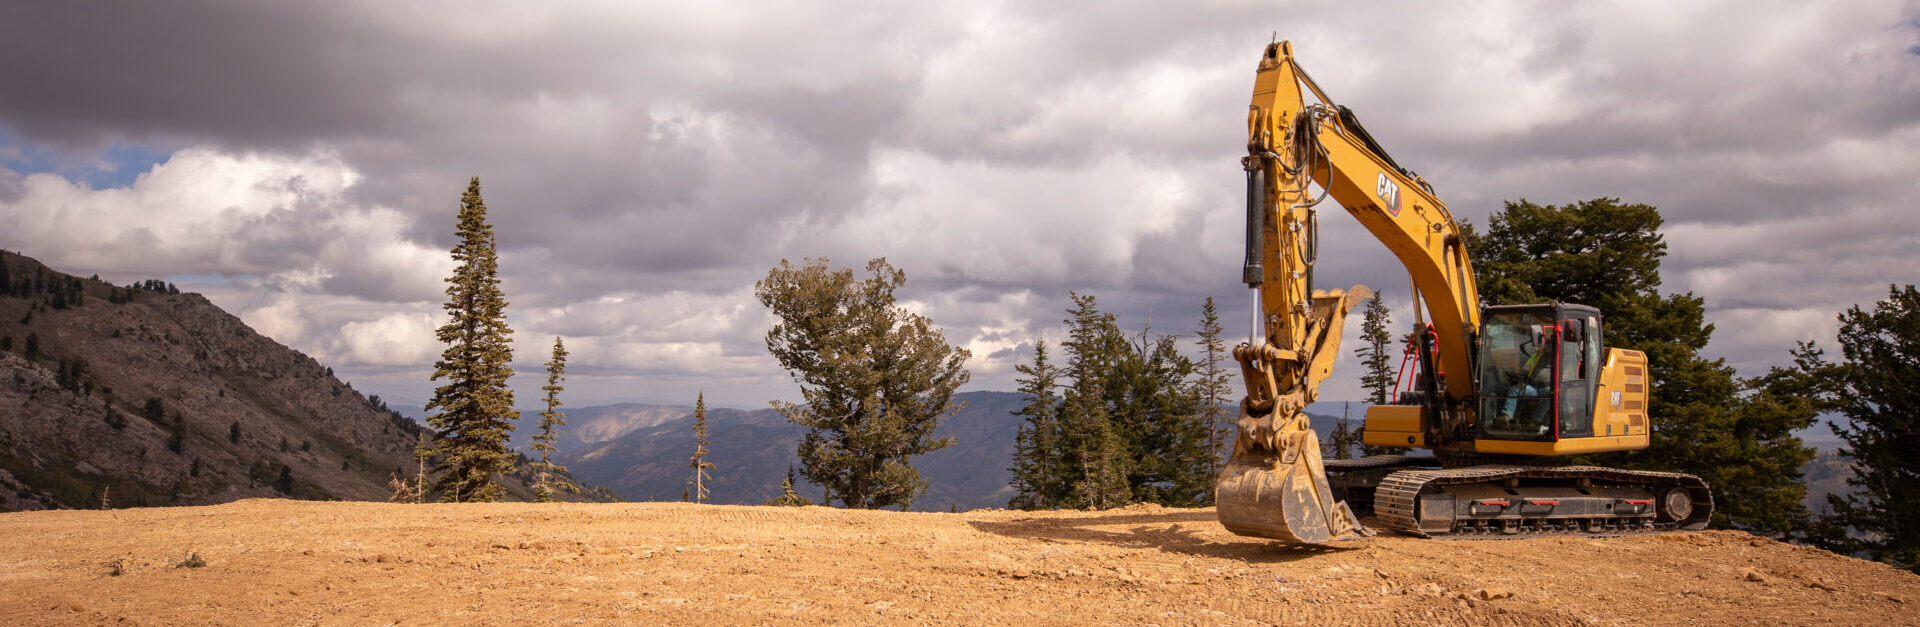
(1300, 152)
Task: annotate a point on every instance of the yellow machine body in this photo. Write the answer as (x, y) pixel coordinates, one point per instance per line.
(1493, 383)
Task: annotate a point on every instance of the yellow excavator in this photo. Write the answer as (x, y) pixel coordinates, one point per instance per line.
(1496, 393)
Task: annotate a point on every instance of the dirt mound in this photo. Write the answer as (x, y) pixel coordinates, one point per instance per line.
(288, 562)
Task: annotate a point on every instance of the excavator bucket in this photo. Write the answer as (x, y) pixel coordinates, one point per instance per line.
(1274, 485)
(1282, 493)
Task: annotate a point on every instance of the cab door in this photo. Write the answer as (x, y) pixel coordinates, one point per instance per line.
(1574, 371)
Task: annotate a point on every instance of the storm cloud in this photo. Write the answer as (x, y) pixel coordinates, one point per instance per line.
(645, 163)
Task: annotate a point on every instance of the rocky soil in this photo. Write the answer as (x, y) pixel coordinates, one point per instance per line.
(292, 562)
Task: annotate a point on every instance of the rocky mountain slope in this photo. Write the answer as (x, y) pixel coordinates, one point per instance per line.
(146, 396)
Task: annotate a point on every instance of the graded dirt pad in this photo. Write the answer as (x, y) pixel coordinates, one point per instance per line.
(270, 562)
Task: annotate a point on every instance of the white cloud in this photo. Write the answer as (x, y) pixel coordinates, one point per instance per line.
(396, 339)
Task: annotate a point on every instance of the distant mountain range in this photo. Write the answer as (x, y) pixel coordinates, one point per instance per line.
(642, 452)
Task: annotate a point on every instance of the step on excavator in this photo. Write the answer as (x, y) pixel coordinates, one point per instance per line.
(1496, 393)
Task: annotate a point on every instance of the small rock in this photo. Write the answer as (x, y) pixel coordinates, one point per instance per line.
(1381, 573)
(117, 567)
(384, 558)
(1758, 542)
(1020, 573)
(1822, 585)
(525, 544)
(1896, 598)
(306, 551)
(1489, 594)
(1750, 574)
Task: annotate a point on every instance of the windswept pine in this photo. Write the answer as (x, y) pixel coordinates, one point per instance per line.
(877, 379)
(699, 462)
(545, 470)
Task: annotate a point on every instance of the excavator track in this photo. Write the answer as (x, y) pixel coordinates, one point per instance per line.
(1522, 501)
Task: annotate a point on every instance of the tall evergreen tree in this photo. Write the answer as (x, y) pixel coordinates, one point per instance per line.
(1376, 352)
(1093, 453)
(1876, 387)
(1606, 253)
(1036, 456)
(699, 462)
(550, 419)
(877, 379)
(475, 405)
(1214, 388)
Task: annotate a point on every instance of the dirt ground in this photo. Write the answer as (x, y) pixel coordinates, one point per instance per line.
(272, 562)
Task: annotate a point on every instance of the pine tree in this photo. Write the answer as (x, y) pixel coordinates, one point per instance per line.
(1341, 441)
(1376, 352)
(788, 497)
(422, 454)
(699, 462)
(178, 439)
(877, 379)
(1093, 452)
(33, 344)
(1152, 409)
(1036, 458)
(543, 484)
(475, 405)
(1214, 387)
(1874, 388)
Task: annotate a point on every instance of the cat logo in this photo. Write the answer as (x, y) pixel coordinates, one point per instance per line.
(1389, 193)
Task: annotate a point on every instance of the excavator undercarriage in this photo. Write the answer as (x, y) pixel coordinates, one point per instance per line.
(1412, 495)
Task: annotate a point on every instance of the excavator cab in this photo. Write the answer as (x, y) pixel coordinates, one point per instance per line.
(1536, 375)
(1542, 370)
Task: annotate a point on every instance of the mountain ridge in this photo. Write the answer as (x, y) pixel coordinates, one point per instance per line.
(142, 395)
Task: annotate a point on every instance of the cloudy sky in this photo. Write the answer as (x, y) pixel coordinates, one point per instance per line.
(645, 163)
